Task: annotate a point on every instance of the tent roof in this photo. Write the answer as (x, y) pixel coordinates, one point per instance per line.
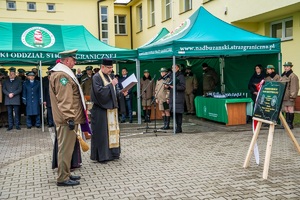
(31, 43)
(203, 34)
(157, 37)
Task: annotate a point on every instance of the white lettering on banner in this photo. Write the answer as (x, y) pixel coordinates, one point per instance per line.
(43, 55)
(155, 52)
(227, 47)
(215, 115)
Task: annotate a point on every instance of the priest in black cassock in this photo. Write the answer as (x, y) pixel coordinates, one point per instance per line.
(105, 141)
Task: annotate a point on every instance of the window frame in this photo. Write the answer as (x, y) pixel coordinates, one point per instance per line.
(151, 13)
(184, 7)
(283, 25)
(170, 9)
(51, 4)
(140, 17)
(105, 40)
(117, 24)
(7, 5)
(29, 4)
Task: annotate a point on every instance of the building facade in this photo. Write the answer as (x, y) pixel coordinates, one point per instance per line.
(132, 23)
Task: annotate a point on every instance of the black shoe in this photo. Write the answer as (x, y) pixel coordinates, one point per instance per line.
(122, 121)
(75, 178)
(28, 127)
(9, 128)
(166, 128)
(103, 162)
(51, 125)
(6, 126)
(130, 121)
(68, 183)
(38, 126)
(18, 128)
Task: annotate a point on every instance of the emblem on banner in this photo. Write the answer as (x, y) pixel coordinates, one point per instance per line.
(182, 27)
(37, 37)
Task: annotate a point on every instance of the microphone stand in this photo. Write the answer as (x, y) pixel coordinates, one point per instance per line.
(144, 91)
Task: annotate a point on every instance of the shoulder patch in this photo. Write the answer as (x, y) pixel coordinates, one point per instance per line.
(63, 81)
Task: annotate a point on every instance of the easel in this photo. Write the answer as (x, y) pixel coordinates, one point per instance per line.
(269, 143)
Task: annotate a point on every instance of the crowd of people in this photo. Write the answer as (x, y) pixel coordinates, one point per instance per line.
(292, 87)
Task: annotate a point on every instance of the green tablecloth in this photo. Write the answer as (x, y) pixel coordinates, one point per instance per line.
(215, 108)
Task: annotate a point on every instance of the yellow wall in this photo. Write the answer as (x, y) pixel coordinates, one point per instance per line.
(67, 12)
(124, 41)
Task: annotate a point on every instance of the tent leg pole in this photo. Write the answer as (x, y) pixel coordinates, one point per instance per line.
(42, 100)
(138, 72)
(174, 96)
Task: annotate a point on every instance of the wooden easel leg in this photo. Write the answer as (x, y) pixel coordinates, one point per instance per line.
(268, 151)
(253, 141)
(289, 132)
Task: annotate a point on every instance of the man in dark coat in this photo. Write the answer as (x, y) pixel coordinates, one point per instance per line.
(105, 142)
(46, 98)
(128, 98)
(210, 79)
(12, 89)
(32, 99)
(179, 96)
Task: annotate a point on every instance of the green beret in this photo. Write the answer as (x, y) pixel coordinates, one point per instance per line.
(2, 69)
(69, 53)
(146, 71)
(163, 69)
(21, 70)
(12, 69)
(89, 68)
(288, 64)
(270, 67)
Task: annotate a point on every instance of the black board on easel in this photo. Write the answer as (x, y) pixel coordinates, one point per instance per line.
(269, 101)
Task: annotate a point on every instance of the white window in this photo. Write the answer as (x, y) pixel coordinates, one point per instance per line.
(50, 7)
(104, 23)
(168, 12)
(282, 29)
(120, 24)
(187, 5)
(152, 13)
(11, 5)
(140, 18)
(31, 6)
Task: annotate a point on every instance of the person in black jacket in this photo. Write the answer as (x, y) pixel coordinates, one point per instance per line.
(179, 96)
(46, 98)
(255, 80)
(12, 89)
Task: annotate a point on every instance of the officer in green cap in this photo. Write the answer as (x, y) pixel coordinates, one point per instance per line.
(291, 92)
(162, 96)
(191, 86)
(21, 74)
(147, 91)
(86, 81)
(271, 75)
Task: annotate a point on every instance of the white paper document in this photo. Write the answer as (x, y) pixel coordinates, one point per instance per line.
(129, 82)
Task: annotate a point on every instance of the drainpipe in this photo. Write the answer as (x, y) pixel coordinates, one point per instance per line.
(131, 34)
(98, 12)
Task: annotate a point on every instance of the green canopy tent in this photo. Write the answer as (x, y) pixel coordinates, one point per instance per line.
(205, 36)
(28, 43)
(32, 43)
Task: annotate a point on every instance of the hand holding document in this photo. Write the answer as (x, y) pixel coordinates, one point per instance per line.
(129, 82)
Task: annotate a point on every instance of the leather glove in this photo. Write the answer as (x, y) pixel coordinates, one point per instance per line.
(71, 124)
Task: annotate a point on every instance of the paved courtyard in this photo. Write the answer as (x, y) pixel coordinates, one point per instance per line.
(204, 162)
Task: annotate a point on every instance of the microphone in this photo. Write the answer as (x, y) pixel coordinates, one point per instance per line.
(112, 75)
(167, 75)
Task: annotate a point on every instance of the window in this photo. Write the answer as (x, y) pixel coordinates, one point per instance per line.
(282, 29)
(11, 5)
(50, 7)
(104, 23)
(168, 12)
(185, 5)
(151, 13)
(120, 24)
(140, 18)
(31, 6)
